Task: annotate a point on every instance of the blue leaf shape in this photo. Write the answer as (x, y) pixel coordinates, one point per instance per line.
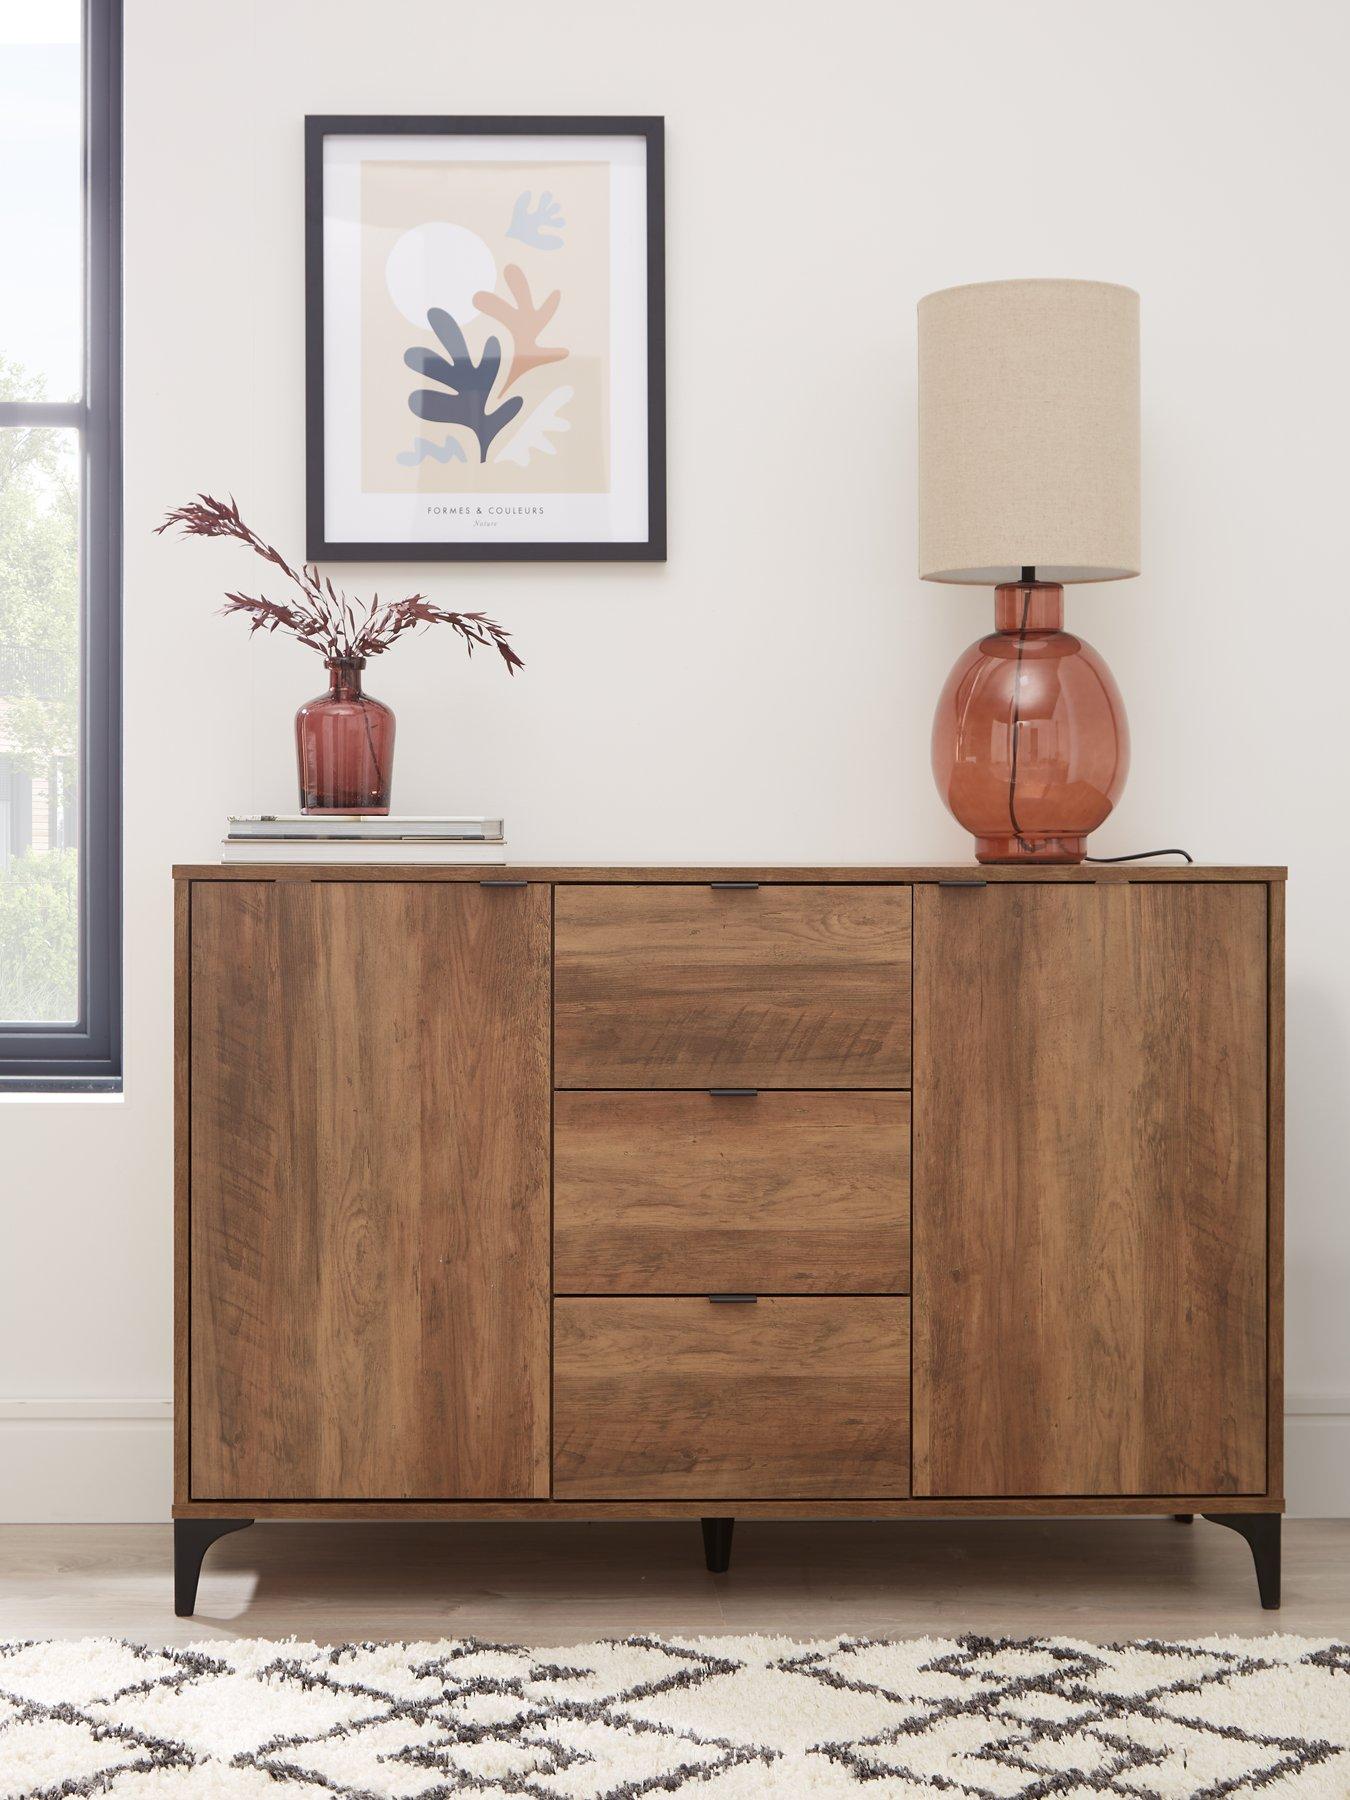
(423, 448)
(527, 227)
(469, 383)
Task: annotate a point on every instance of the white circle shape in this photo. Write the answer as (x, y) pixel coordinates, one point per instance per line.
(439, 265)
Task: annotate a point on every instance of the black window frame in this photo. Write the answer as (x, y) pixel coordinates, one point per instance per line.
(87, 1055)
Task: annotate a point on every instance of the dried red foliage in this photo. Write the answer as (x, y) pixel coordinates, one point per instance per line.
(341, 630)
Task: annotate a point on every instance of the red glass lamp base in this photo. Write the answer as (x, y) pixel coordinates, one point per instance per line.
(1030, 744)
(1031, 847)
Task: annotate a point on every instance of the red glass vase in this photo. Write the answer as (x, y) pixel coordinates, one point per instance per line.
(1030, 744)
(344, 746)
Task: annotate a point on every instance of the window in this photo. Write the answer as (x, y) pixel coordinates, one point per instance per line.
(60, 543)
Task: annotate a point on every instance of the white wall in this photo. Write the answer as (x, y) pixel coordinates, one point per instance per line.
(767, 694)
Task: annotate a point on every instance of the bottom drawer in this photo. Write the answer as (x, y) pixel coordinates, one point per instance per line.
(681, 1399)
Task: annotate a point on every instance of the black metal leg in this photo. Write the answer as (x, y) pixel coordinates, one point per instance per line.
(1184, 1518)
(192, 1538)
(1262, 1532)
(717, 1544)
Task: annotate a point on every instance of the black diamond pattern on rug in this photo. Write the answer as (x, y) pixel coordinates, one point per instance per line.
(728, 1718)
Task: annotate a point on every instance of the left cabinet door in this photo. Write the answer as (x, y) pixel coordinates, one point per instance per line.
(369, 1190)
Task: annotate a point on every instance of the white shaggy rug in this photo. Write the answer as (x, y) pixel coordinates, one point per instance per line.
(1212, 1719)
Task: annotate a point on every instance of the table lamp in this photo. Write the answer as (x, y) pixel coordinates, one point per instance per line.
(1028, 480)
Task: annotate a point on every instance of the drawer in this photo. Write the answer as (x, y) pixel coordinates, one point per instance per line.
(678, 1399)
(695, 1193)
(683, 987)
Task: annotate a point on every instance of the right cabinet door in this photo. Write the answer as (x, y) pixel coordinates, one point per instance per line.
(1089, 1189)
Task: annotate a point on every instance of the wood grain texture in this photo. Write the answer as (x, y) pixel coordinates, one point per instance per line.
(1090, 1190)
(690, 1193)
(681, 987)
(562, 1511)
(1275, 1192)
(370, 1168)
(883, 874)
(182, 1183)
(678, 1399)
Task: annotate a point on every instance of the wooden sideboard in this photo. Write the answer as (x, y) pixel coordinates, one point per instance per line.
(728, 1193)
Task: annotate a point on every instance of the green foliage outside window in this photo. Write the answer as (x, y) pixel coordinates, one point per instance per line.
(39, 933)
(39, 707)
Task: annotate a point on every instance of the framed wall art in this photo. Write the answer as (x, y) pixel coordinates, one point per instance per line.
(485, 357)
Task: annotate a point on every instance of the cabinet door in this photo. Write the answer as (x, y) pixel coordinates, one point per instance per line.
(1089, 1216)
(369, 1190)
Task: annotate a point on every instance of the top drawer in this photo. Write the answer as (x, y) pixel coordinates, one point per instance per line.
(668, 987)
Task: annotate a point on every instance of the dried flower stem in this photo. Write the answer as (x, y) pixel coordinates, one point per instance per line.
(324, 619)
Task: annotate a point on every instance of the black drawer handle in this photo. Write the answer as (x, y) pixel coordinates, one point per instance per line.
(733, 1093)
(733, 1299)
(966, 881)
(503, 884)
(733, 884)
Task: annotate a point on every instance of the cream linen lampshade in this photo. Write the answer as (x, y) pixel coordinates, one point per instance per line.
(1029, 432)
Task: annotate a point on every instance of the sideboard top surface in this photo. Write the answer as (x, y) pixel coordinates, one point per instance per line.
(706, 872)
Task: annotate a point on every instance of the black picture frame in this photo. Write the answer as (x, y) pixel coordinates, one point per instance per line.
(652, 130)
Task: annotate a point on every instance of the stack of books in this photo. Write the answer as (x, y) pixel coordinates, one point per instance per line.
(361, 838)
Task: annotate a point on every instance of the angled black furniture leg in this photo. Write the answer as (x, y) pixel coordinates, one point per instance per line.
(1262, 1532)
(192, 1538)
(717, 1544)
(1184, 1518)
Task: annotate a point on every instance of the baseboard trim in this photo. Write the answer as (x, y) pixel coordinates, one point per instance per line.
(85, 1461)
(110, 1461)
(30, 1412)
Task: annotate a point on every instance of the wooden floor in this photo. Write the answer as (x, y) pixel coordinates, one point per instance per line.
(552, 1584)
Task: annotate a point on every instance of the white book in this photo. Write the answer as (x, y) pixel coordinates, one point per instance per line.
(449, 828)
(244, 850)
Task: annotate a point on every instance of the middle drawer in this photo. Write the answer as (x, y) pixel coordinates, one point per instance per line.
(696, 1193)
